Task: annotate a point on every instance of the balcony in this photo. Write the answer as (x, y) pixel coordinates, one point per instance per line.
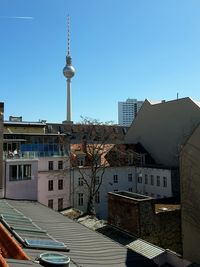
(20, 156)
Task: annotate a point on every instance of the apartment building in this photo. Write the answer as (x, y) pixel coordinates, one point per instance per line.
(162, 128)
(127, 111)
(36, 163)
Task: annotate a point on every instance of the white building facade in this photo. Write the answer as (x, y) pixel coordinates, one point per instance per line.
(114, 179)
(54, 182)
(43, 179)
(154, 182)
(127, 111)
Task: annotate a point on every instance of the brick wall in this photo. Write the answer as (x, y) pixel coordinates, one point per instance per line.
(123, 213)
(138, 218)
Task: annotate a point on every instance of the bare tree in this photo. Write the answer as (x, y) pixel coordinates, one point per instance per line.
(96, 140)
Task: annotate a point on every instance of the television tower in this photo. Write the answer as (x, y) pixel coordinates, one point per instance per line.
(68, 72)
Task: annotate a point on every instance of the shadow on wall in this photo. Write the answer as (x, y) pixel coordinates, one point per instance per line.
(136, 260)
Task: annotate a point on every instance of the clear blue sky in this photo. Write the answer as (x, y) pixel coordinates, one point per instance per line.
(120, 49)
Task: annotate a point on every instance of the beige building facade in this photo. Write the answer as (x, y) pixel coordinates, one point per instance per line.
(162, 128)
(190, 196)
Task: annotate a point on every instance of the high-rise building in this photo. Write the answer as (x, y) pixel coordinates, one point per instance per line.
(127, 111)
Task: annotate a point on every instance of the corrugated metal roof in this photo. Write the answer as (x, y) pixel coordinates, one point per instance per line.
(87, 248)
(146, 249)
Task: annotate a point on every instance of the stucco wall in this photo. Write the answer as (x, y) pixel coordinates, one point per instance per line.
(22, 189)
(44, 175)
(108, 185)
(155, 190)
(44, 194)
(162, 128)
(190, 196)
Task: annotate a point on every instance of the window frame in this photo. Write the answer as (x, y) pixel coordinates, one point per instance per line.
(60, 165)
(50, 165)
(60, 204)
(80, 199)
(50, 203)
(152, 179)
(60, 184)
(130, 177)
(115, 178)
(50, 185)
(164, 181)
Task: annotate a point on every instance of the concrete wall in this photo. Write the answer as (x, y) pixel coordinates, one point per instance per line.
(163, 128)
(190, 196)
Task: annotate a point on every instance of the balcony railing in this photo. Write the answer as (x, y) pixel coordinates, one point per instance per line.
(33, 155)
(24, 155)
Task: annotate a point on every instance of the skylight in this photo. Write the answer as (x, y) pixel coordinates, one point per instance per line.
(26, 231)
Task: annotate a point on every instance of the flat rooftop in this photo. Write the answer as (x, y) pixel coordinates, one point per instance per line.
(131, 195)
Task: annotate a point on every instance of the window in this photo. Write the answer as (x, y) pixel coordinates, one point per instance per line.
(13, 172)
(80, 181)
(164, 181)
(80, 199)
(158, 180)
(130, 189)
(97, 180)
(97, 197)
(19, 172)
(50, 185)
(140, 179)
(60, 164)
(27, 171)
(115, 190)
(152, 194)
(158, 196)
(60, 203)
(146, 179)
(50, 165)
(130, 177)
(80, 162)
(152, 180)
(60, 184)
(115, 178)
(50, 203)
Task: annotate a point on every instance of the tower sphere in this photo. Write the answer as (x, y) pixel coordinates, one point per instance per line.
(68, 71)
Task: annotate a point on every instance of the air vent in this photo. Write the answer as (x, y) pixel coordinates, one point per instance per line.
(54, 259)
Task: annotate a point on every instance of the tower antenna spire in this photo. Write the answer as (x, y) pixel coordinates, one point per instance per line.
(68, 72)
(68, 35)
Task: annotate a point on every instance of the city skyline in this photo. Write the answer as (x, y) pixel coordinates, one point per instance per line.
(141, 50)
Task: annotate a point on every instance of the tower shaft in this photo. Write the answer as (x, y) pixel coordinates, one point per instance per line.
(69, 107)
